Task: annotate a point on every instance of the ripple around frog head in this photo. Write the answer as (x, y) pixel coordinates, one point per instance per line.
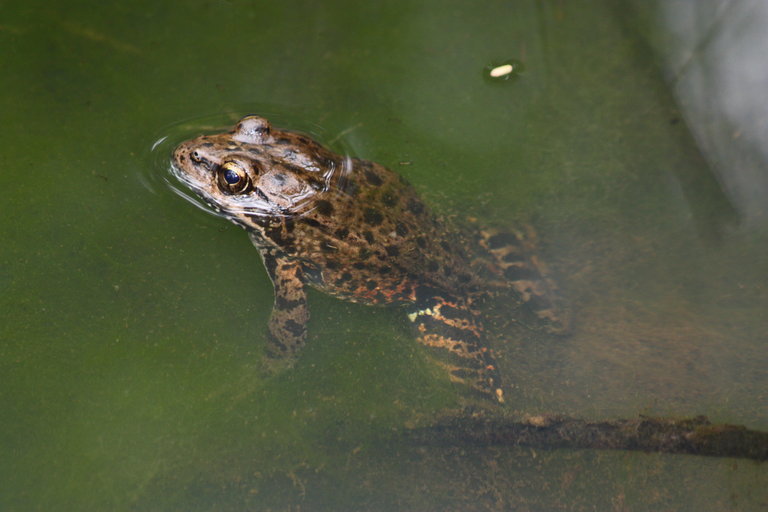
(161, 176)
(157, 174)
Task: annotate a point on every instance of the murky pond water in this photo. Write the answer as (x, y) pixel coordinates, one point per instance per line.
(132, 325)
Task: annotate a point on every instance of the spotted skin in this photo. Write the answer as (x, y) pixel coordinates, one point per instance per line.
(515, 265)
(452, 331)
(357, 231)
(290, 313)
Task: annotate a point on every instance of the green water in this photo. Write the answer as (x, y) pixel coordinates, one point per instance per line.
(132, 324)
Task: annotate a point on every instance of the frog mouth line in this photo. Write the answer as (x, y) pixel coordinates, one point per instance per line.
(198, 198)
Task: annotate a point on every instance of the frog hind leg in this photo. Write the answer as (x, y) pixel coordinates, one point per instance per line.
(290, 313)
(515, 265)
(447, 326)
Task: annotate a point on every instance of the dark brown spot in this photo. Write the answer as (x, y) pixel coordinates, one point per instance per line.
(275, 233)
(284, 303)
(368, 236)
(311, 222)
(342, 233)
(415, 206)
(332, 265)
(451, 312)
(293, 169)
(426, 295)
(351, 188)
(365, 253)
(270, 263)
(389, 199)
(372, 216)
(519, 273)
(446, 246)
(316, 185)
(294, 327)
(371, 285)
(257, 219)
(392, 251)
(421, 242)
(373, 178)
(312, 273)
(401, 229)
(502, 239)
(324, 207)
(261, 194)
(432, 266)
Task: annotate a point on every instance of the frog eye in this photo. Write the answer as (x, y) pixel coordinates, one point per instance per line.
(233, 178)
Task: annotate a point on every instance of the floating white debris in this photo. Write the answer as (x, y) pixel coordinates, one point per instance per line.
(500, 71)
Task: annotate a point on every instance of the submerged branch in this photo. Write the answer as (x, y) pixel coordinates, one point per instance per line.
(693, 436)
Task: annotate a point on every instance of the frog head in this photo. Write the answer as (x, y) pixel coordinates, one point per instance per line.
(256, 171)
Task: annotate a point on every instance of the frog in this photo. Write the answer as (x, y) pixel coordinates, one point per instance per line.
(360, 232)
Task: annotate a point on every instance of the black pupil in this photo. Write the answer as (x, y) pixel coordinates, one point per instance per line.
(231, 177)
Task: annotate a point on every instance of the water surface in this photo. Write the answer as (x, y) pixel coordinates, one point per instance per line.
(132, 325)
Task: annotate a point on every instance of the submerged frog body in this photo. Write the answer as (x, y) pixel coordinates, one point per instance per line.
(358, 231)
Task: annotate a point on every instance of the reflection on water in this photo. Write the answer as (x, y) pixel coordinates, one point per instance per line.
(715, 58)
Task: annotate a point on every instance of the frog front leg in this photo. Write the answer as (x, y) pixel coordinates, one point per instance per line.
(290, 313)
(449, 328)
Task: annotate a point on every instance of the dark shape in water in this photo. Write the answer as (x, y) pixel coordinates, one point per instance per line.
(692, 436)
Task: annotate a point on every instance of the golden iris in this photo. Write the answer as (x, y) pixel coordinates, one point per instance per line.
(233, 178)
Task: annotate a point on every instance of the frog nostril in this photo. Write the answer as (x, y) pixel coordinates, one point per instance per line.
(195, 157)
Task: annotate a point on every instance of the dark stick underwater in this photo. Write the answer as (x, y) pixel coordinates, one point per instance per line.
(689, 436)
